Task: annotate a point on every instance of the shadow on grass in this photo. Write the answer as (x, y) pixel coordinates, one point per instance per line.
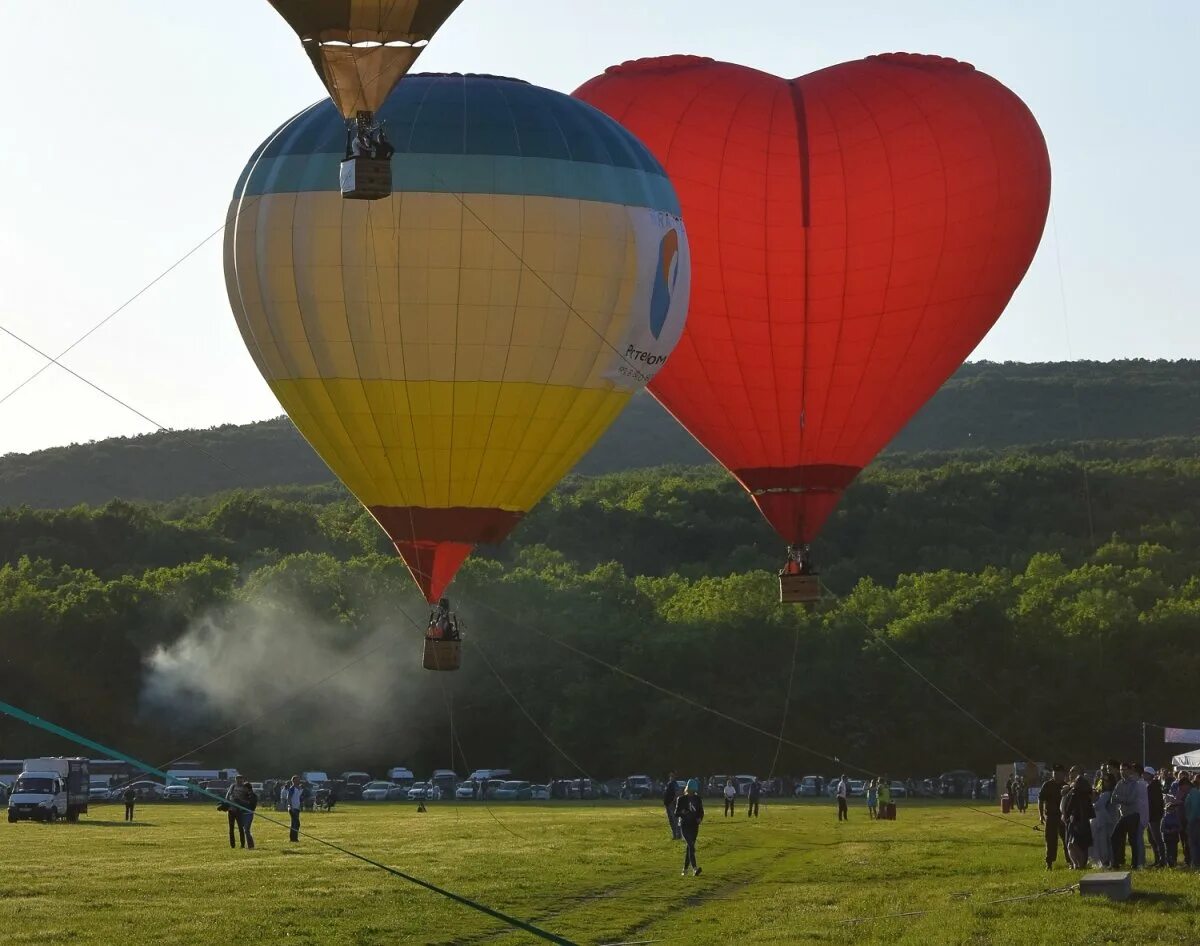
(116, 824)
(1157, 897)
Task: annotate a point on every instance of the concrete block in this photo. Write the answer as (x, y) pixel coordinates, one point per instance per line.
(1116, 885)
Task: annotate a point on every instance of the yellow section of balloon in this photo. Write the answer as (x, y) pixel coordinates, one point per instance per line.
(440, 349)
(439, 444)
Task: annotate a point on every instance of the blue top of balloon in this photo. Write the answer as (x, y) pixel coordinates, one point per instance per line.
(472, 134)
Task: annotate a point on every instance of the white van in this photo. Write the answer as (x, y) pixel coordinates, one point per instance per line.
(49, 789)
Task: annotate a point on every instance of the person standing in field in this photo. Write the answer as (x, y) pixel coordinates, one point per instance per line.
(843, 793)
(1103, 823)
(1181, 788)
(885, 796)
(689, 812)
(730, 796)
(670, 793)
(1077, 812)
(130, 797)
(235, 803)
(1050, 813)
(1191, 811)
(872, 793)
(752, 793)
(1124, 801)
(295, 795)
(250, 805)
(1154, 813)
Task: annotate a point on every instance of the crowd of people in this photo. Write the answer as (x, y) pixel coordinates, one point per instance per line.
(1126, 806)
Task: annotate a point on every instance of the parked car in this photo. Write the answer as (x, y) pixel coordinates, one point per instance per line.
(383, 791)
(490, 787)
(96, 792)
(425, 791)
(401, 776)
(540, 792)
(637, 786)
(742, 783)
(178, 792)
(956, 784)
(858, 788)
(513, 791)
(811, 786)
(444, 779)
(465, 791)
(898, 790)
(484, 775)
(144, 791)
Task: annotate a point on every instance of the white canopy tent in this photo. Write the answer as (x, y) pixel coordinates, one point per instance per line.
(1187, 760)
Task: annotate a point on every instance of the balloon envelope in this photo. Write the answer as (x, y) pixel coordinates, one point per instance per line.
(451, 351)
(362, 48)
(855, 233)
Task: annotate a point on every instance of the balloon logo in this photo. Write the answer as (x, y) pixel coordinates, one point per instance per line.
(664, 281)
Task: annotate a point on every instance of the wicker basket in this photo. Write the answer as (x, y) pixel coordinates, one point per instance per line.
(442, 655)
(799, 589)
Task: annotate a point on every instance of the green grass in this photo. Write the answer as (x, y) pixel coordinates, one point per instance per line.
(593, 874)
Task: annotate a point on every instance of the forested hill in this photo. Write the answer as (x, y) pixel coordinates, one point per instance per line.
(984, 406)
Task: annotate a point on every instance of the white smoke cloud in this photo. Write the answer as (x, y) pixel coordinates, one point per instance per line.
(327, 692)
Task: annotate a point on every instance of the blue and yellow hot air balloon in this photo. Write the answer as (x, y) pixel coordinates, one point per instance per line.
(452, 350)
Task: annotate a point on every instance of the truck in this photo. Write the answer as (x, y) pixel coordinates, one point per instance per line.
(49, 789)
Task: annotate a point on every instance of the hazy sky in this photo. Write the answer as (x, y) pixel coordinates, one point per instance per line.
(152, 107)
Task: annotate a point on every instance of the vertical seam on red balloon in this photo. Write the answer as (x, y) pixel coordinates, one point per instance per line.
(837, 444)
(800, 112)
(770, 362)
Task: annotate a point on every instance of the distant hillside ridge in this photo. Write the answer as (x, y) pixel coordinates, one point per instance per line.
(984, 406)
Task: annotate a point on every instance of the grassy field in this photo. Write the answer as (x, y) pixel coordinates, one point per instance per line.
(593, 874)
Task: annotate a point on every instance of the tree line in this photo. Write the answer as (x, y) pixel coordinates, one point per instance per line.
(1054, 595)
(985, 405)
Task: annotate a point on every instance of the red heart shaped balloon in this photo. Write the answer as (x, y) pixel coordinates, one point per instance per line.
(854, 232)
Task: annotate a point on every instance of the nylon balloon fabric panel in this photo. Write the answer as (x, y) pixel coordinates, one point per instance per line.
(362, 48)
(453, 350)
(855, 233)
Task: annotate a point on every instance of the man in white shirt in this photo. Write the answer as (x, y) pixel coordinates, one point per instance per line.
(1143, 807)
(843, 793)
(295, 795)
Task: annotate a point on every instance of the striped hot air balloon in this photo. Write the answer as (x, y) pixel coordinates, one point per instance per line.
(452, 350)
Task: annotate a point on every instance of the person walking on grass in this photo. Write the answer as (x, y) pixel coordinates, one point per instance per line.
(295, 795)
(130, 797)
(752, 793)
(730, 796)
(689, 812)
(670, 793)
(843, 793)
